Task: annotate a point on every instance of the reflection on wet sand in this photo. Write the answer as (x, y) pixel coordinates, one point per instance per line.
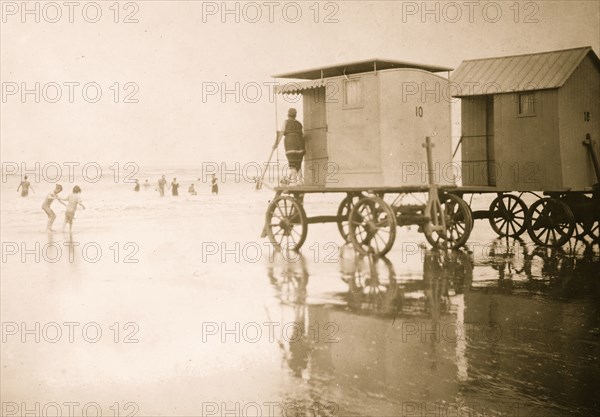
(510, 332)
(561, 272)
(290, 284)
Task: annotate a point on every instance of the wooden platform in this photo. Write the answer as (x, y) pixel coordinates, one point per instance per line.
(470, 189)
(323, 190)
(387, 190)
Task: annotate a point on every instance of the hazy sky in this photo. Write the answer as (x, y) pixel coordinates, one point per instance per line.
(177, 49)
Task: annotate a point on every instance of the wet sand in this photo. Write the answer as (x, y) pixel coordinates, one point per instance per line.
(506, 330)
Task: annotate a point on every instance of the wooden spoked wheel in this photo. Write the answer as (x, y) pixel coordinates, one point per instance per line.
(372, 226)
(583, 229)
(594, 231)
(586, 214)
(459, 224)
(550, 222)
(286, 223)
(343, 214)
(587, 224)
(507, 215)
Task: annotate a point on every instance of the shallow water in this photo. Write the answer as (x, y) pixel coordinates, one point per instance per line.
(199, 317)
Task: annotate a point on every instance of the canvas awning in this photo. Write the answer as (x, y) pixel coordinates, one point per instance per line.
(298, 87)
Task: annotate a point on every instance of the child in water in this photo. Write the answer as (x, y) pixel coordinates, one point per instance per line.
(72, 201)
(192, 190)
(48, 201)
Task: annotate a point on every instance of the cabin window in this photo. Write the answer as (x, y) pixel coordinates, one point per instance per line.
(527, 104)
(353, 96)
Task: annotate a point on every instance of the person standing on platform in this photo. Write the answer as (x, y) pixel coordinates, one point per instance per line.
(294, 146)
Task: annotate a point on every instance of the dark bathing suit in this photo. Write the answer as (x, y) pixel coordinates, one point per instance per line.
(294, 143)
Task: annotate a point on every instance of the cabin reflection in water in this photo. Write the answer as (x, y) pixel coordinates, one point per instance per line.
(544, 307)
(458, 341)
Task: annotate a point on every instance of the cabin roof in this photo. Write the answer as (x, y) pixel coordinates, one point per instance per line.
(358, 67)
(518, 72)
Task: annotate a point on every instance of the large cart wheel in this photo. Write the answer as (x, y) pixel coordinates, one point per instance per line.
(343, 214)
(550, 222)
(286, 223)
(459, 223)
(584, 212)
(594, 231)
(372, 226)
(507, 215)
(589, 226)
(582, 229)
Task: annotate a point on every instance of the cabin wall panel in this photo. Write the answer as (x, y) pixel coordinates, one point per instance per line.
(580, 94)
(412, 107)
(526, 148)
(353, 143)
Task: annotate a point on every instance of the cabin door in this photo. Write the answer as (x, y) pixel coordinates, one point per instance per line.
(315, 137)
(489, 140)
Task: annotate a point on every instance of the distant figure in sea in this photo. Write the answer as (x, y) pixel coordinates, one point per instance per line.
(258, 183)
(137, 186)
(162, 182)
(214, 187)
(24, 186)
(192, 190)
(73, 200)
(146, 184)
(48, 202)
(174, 187)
